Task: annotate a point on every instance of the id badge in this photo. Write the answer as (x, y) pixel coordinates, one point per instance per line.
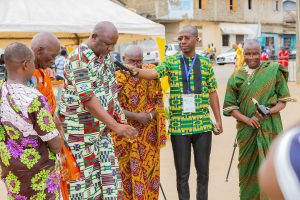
(189, 103)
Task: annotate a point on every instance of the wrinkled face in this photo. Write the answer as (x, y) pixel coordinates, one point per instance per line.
(134, 60)
(187, 41)
(252, 56)
(45, 56)
(104, 43)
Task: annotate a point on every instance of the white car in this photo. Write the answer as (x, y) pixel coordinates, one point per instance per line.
(227, 57)
(173, 48)
(151, 57)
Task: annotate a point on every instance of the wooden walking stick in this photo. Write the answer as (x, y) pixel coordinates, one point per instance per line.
(234, 147)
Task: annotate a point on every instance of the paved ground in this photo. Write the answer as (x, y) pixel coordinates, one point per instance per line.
(220, 155)
(221, 150)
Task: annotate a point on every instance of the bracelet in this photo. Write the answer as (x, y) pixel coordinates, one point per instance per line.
(151, 116)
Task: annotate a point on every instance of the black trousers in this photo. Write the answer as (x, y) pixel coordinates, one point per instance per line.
(182, 156)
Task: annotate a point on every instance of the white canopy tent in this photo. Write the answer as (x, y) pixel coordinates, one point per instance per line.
(71, 20)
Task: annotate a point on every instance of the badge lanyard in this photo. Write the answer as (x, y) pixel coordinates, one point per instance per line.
(188, 71)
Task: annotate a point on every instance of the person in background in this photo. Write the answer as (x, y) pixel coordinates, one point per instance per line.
(60, 64)
(264, 56)
(2, 67)
(142, 103)
(46, 47)
(283, 56)
(240, 61)
(29, 140)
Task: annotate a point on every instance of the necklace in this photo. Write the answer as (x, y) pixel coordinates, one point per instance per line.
(250, 73)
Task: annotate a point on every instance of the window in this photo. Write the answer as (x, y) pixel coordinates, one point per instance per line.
(200, 4)
(239, 39)
(231, 5)
(249, 4)
(276, 5)
(225, 40)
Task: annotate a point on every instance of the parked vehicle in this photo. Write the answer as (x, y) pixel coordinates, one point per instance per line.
(151, 57)
(173, 48)
(227, 57)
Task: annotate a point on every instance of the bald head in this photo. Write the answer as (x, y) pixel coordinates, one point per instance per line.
(44, 39)
(133, 56)
(191, 29)
(19, 61)
(103, 38)
(133, 50)
(252, 43)
(252, 53)
(17, 53)
(45, 47)
(105, 27)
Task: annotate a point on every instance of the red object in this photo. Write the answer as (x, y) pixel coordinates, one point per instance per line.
(284, 61)
(264, 56)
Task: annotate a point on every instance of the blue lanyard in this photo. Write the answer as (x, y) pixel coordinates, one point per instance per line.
(188, 69)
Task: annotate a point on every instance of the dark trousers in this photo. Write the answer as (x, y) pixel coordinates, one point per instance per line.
(182, 156)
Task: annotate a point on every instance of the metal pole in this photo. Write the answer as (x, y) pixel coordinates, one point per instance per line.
(298, 41)
(162, 191)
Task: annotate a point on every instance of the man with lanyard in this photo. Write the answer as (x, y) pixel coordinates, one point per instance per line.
(192, 90)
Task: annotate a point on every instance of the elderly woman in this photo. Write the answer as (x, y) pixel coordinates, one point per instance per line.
(28, 138)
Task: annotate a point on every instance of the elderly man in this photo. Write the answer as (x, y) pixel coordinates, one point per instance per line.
(89, 110)
(142, 103)
(46, 47)
(265, 82)
(192, 90)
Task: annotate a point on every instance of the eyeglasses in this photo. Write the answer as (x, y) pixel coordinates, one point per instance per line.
(180, 38)
(136, 62)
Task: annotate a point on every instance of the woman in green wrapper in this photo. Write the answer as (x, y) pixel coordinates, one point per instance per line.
(267, 83)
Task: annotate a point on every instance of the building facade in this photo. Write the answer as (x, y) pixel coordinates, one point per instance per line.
(222, 22)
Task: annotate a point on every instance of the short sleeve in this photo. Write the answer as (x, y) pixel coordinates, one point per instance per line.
(211, 81)
(281, 88)
(39, 115)
(82, 80)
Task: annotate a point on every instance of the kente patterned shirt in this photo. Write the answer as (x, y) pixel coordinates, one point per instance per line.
(29, 169)
(87, 76)
(182, 123)
(93, 76)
